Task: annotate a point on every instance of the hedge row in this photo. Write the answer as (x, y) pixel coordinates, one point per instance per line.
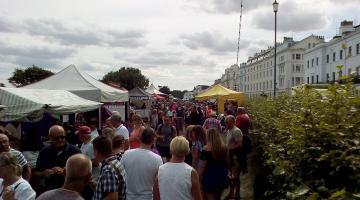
(308, 144)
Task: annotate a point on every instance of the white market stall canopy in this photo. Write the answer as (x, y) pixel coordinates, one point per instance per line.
(29, 105)
(81, 84)
(153, 91)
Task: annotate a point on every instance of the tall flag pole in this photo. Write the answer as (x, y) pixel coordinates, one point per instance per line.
(238, 47)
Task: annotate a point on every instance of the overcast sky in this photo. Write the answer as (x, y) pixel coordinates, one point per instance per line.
(178, 43)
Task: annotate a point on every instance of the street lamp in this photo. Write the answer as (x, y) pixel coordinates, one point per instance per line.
(275, 7)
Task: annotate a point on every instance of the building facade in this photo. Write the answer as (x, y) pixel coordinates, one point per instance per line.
(189, 95)
(259, 69)
(231, 78)
(338, 57)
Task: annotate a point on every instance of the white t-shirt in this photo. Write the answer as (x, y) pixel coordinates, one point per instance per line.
(23, 190)
(122, 130)
(94, 134)
(88, 150)
(140, 166)
(175, 181)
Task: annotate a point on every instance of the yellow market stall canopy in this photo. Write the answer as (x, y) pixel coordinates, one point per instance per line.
(221, 94)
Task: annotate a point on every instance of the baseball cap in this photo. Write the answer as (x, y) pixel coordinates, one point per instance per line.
(83, 130)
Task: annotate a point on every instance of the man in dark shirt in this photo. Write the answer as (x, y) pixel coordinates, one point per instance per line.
(52, 158)
(165, 132)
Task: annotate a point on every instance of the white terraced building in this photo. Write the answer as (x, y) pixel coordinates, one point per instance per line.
(231, 78)
(343, 50)
(258, 71)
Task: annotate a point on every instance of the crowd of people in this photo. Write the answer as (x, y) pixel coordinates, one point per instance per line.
(185, 151)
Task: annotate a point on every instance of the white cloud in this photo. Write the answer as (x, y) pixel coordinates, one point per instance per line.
(214, 42)
(171, 43)
(292, 17)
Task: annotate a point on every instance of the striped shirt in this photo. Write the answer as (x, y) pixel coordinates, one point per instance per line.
(20, 159)
(212, 123)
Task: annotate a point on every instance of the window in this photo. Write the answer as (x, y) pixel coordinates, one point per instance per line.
(312, 62)
(358, 49)
(317, 61)
(308, 63)
(298, 68)
(350, 50)
(281, 58)
(333, 76)
(307, 80)
(349, 71)
(312, 79)
(293, 56)
(298, 80)
(327, 77)
(327, 58)
(334, 56)
(293, 81)
(298, 56)
(317, 78)
(309, 45)
(341, 54)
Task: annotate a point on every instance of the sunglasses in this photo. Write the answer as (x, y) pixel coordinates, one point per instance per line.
(59, 137)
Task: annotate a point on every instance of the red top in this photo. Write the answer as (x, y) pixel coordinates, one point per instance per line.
(135, 143)
(243, 123)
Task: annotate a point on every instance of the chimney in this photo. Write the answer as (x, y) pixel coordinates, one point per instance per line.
(346, 27)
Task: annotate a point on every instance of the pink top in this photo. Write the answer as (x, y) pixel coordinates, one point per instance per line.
(135, 134)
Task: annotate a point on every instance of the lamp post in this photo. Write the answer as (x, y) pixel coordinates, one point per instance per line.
(275, 7)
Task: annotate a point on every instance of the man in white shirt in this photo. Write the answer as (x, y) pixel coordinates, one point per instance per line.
(93, 126)
(87, 149)
(120, 129)
(141, 166)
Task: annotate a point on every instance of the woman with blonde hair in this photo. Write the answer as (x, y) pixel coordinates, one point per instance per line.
(214, 165)
(188, 132)
(175, 179)
(13, 186)
(108, 132)
(138, 127)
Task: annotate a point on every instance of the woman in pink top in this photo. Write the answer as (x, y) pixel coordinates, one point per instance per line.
(138, 127)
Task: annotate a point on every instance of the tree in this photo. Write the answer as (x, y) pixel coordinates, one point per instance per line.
(128, 78)
(178, 93)
(22, 77)
(165, 89)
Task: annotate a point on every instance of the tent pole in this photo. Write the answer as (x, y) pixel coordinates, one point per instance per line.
(100, 117)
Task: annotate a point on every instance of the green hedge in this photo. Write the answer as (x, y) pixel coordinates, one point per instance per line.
(308, 144)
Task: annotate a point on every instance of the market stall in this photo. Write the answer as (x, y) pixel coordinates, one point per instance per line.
(29, 105)
(221, 95)
(85, 86)
(140, 101)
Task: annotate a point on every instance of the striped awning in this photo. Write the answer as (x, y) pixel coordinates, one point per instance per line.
(29, 105)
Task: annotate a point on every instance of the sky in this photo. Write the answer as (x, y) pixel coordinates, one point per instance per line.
(177, 43)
